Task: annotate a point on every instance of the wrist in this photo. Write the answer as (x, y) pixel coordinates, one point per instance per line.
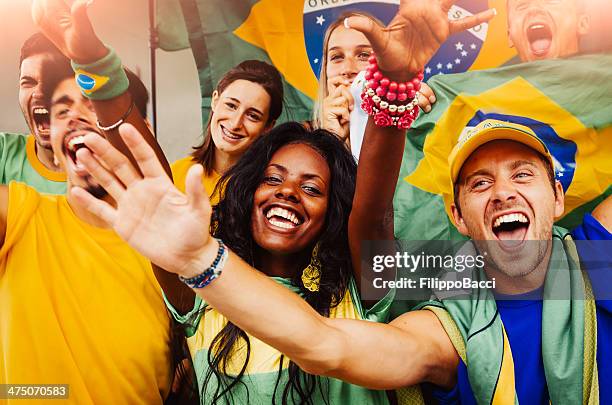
(203, 259)
(95, 52)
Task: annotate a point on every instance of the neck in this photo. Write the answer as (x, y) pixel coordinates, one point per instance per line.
(222, 161)
(513, 285)
(275, 265)
(83, 214)
(45, 156)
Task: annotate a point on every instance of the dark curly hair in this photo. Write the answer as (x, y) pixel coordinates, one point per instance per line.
(232, 223)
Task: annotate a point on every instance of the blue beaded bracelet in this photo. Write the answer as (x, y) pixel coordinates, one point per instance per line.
(211, 273)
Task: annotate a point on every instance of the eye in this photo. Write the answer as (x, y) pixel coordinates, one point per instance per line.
(523, 175)
(272, 180)
(363, 56)
(311, 189)
(62, 113)
(480, 184)
(336, 57)
(231, 106)
(27, 83)
(254, 117)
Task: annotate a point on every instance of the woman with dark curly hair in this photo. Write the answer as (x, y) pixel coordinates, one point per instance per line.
(285, 211)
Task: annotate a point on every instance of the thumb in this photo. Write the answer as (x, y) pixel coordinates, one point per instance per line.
(194, 188)
(370, 28)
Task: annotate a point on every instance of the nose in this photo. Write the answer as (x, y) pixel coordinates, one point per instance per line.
(503, 191)
(236, 121)
(287, 190)
(349, 68)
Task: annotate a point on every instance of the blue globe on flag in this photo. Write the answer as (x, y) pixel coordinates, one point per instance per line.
(456, 55)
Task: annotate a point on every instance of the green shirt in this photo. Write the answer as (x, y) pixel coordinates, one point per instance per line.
(18, 161)
(262, 370)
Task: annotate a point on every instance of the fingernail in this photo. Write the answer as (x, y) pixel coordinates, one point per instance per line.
(432, 99)
(346, 23)
(494, 11)
(428, 109)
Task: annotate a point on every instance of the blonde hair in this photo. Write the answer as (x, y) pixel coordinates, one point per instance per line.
(317, 113)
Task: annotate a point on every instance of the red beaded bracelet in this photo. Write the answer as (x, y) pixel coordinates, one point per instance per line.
(380, 93)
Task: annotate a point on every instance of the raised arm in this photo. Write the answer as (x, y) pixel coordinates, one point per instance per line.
(70, 28)
(172, 230)
(402, 49)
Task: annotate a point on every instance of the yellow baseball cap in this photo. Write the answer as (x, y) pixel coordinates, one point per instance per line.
(492, 130)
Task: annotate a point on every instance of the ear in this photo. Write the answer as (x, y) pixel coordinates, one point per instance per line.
(458, 220)
(559, 200)
(584, 24)
(215, 100)
(270, 125)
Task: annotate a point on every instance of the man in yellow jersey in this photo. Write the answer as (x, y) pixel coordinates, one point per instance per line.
(29, 158)
(78, 306)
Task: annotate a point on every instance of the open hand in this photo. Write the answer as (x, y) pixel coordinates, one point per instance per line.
(414, 35)
(69, 28)
(156, 219)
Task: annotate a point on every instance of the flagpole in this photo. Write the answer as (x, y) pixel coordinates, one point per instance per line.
(153, 44)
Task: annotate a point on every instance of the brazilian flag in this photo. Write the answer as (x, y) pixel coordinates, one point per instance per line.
(289, 34)
(223, 33)
(566, 103)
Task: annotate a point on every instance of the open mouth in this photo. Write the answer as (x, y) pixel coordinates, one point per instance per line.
(72, 143)
(540, 37)
(511, 229)
(231, 136)
(284, 218)
(40, 115)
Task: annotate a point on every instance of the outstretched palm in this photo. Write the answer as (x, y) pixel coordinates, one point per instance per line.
(414, 35)
(69, 28)
(156, 219)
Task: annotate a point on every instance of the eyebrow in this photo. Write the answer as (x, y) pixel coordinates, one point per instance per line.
(518, 163)
(62, 100)
(251, 108)
(306, 175)
(333, 48)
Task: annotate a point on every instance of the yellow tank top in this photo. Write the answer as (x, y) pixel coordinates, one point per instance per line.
(78, 306)
(179, 173)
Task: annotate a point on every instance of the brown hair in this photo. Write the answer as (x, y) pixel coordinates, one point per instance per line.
(262, 73)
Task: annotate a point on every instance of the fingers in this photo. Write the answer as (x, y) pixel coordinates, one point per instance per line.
(99, 208)
(114, 160)
(102, 176)
(373, 32)
(348, 97)
(147, 161)
(470, 22)
(426, 98)
(194, 188)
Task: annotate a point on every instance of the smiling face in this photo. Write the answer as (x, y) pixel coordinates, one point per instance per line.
(72, 117)
(348, 51)
(505, 197)
(290, 205)
(545, 29)
(32, 97)
(240, 115)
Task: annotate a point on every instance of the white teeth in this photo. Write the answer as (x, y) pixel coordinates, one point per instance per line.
(76, 141)
(41, 111)
(282, 213)
(510, 218)
(536, 26)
